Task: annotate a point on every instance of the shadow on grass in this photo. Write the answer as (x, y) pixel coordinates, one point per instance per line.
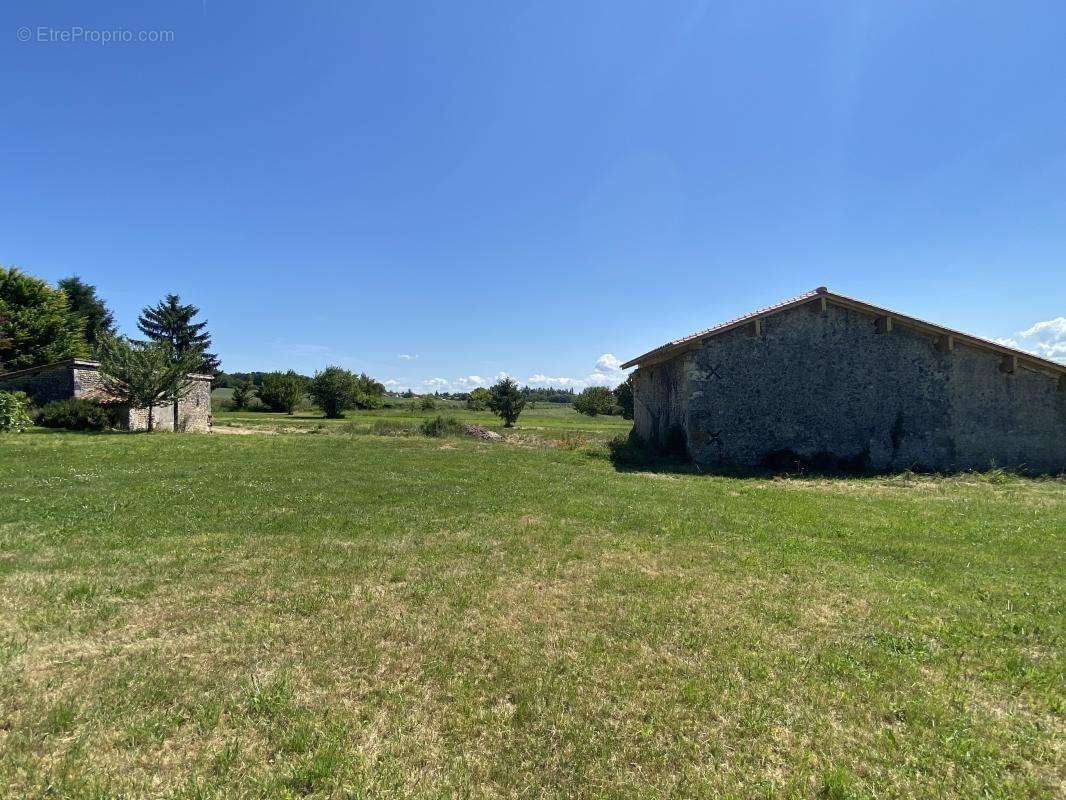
(40, 430)
(629, 454)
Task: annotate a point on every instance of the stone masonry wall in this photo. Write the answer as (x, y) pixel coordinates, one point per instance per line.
(43, 385)
(87, 380)
(194, 413)
(83, 379)
(826, 387)
(659, 401)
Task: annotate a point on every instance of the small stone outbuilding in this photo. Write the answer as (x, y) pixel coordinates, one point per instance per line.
(78, 378)
(829, 381)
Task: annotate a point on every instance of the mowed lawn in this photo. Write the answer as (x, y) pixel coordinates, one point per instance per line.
(370, 616)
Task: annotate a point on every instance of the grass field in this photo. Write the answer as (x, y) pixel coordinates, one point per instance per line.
(350, 615)
(548, 421)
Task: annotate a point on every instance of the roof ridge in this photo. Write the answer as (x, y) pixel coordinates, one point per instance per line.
(860, 305)
(744, 317)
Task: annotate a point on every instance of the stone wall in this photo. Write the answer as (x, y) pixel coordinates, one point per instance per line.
(660, 399)
(43, 384)
(88, 382)
(82, 379)
(827, 388)
(194, 412)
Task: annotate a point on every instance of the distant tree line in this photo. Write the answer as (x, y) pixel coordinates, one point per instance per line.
(41, 324)
(333, 389)
(529, 393)
(599, 400)
(231, 380)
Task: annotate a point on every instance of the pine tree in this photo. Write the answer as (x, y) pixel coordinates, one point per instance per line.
(242, 395)
(172, 322)
(83, 300)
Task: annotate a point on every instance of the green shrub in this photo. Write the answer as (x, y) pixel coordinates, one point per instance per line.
(243, 394)
(393, 427)
(426, 402)
(628, 451)
(506, 401)
(478, 400)
(76, 415)
(281, 391)
(335, 390)
(369, 393)
(14, 412)
(441, 426)
(596, 400)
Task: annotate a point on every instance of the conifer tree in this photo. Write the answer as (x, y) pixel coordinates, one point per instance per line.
(170, 321)
(83, 300)
(506, 401)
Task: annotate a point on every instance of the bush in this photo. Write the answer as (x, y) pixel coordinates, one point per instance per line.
(14, 412)
(76, 415)
(281, 391)
(243, 394)
(369, 393)
(629, 451)
(426, 402)
(506, 401)
(392, 427)
(441, 426)
(333, 390)
(596, 400)
(478, 399)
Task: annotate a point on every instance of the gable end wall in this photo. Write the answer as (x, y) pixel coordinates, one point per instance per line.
(826, 384)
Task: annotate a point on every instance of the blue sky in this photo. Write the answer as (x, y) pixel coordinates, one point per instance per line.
(539, 189)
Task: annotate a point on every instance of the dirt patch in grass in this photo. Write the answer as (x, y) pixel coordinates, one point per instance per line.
(237, 430)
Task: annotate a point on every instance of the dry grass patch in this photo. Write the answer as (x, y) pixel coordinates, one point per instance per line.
(365, 616)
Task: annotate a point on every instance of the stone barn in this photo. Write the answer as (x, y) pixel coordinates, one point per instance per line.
(79, 378)
(827, 381)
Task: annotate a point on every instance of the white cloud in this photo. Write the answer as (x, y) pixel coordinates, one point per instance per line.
(468, 382)
(463, 383)
(407, 357)
(545, 380)
(607, 371)
(608, 362)
(391, 383)
(1046, 339)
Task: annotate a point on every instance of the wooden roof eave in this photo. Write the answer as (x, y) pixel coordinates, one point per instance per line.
(673, 350)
